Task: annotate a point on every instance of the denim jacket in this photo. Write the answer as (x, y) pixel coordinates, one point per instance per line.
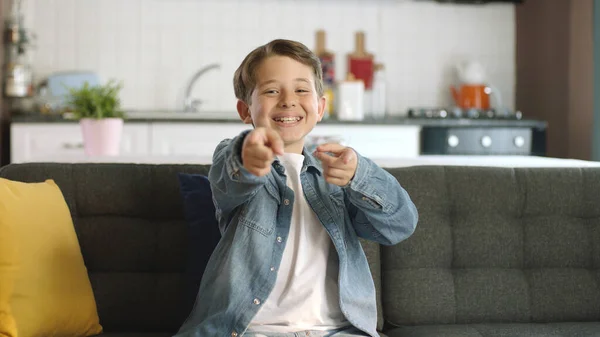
(254, 215)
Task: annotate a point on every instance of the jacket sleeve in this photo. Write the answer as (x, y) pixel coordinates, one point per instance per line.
(230, 182)
(380, 209)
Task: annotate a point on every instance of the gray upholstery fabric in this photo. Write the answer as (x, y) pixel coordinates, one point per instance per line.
(496, 250)
(129, 221)
(579, 329)
(130, 225)
(496, 245)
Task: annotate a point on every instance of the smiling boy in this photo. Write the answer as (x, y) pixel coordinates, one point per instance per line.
(289, 262)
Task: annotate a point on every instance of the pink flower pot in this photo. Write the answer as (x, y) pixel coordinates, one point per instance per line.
(101, 137)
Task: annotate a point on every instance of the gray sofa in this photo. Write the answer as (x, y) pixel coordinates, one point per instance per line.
(497, 251)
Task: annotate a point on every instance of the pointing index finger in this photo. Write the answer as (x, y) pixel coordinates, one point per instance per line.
(325, 158)
(334, 148)
(275, 142)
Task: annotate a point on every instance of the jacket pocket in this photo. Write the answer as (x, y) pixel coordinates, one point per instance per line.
(260, 213)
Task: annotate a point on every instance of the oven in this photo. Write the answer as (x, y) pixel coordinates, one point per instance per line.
(455, 132)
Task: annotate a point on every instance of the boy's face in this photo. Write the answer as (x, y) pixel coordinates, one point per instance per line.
(284, 99)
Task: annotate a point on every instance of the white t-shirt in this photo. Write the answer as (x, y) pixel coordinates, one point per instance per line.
(306, 294)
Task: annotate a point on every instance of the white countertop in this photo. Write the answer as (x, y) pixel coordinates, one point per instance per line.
(495, 161)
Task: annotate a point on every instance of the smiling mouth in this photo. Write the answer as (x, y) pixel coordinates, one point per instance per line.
(287, 120)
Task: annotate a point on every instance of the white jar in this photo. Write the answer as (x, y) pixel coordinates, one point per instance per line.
(350, 99)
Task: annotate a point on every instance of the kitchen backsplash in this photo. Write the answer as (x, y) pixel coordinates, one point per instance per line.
(155, 46)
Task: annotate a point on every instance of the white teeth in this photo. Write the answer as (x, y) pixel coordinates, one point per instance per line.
(287, 119)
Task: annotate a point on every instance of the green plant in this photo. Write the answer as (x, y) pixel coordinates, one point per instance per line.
(100, 101)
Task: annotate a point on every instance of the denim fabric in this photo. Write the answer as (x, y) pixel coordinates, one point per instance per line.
(254, 218)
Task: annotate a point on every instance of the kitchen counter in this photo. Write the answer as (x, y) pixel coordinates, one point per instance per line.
(427, 160)
(217, 117)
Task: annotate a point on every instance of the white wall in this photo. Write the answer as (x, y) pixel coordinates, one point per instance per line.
(154, 46)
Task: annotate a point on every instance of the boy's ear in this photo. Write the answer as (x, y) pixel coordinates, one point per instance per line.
(244, 111)
(321, 108)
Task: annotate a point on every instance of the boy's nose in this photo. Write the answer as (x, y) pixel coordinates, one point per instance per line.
(289, 104)
(287, 101)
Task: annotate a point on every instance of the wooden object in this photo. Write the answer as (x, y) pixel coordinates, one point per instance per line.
(360, 62)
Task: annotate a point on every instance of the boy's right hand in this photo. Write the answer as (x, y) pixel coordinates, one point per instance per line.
(259, 149)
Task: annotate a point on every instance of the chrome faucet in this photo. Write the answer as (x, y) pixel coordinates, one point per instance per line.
(189, 104)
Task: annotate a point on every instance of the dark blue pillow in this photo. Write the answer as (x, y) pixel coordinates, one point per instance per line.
(203, 230)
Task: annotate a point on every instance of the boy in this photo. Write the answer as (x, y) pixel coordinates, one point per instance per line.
(289, 262)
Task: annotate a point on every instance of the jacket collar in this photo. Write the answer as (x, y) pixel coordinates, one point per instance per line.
(310, 162)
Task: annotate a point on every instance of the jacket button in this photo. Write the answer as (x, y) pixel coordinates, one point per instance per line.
(272, 268)
(234, 334)
(279, 239)
(256, 301)
(286, 202)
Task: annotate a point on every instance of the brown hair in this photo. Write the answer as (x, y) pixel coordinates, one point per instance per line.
(244, 79)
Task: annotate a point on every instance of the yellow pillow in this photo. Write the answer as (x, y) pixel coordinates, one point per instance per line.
(52, 295)
(8, 272)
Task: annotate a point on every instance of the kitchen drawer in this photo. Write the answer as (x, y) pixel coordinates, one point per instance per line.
(63, 141)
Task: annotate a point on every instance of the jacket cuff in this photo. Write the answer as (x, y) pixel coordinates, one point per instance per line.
(236, 166)
(363, 170)
(363, 187)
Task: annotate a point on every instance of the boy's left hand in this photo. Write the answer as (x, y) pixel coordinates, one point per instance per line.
(340, 167)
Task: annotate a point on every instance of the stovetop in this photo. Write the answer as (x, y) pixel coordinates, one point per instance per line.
(457, 113)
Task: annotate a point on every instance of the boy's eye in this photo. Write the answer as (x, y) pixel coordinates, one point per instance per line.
(271, 91)
(302, 90)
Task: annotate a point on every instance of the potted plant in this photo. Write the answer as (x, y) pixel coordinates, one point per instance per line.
(98, 110)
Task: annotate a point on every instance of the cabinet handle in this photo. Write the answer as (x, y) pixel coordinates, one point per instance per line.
(72, 145)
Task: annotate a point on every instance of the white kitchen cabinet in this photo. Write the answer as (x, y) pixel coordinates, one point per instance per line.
(372, 141)
(191, 139)
(58, 142)
(195, 141)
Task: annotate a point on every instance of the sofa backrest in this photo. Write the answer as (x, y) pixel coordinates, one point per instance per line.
(131, 229)
(134, 240)
(496, 245)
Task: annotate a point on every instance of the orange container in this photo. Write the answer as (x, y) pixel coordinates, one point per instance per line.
(472, 96)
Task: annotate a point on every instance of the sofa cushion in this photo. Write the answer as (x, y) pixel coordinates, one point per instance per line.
(496, 245)
(130, 222)
(568, 329)
(52, 294)
(203, 230)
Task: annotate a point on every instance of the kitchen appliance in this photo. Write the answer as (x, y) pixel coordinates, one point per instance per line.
(475, 96)
(456, 131)
(474, 91)
(457, 112)
(52, 92)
